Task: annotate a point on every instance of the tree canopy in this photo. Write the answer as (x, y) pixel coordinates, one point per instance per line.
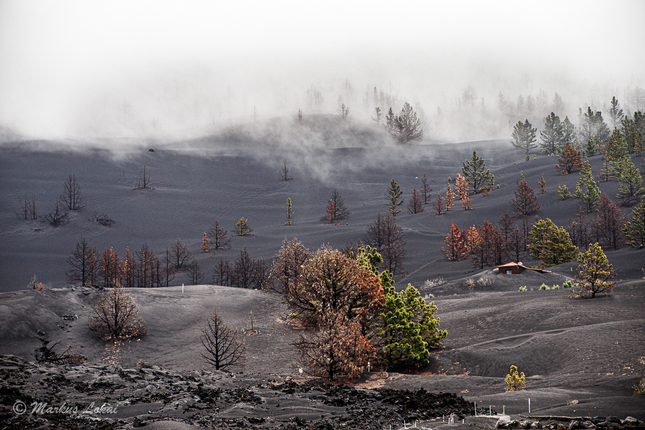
(550, 244)
(524, 136)
(394, 192)
(594, 272)
(410, 328)
(587, 189)
(552, 135)
(475, 172)
(570, 161)
(406, 126)
(634, 229)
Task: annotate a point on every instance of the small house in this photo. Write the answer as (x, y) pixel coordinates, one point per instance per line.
(511, 268)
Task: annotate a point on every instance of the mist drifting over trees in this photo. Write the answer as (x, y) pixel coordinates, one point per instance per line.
(470, 71)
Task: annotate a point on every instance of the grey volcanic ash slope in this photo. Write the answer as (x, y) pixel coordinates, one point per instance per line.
(237, 173)
(226, 177)
(571, 350)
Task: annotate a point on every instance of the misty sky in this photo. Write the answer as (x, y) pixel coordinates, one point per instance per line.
(83, 67)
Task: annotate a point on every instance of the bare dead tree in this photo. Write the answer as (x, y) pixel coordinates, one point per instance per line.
(147, 267)
(337, 210)
(181, 257)
(343, 112)
(220, 239)
(607, 228)
(71, 196)
(46, 354)
(261, 272)
(374, 236)
(393, 251)
(439, 205)
(104, 220)
(56, 218)
(387, 238)
(195, 274)
(168, 272)
(223, 346)
(284, 173)
(144, 180)
(116, 315)
(223, 273)
(415, 204)
(243, 271)
(28, 209)
(83, 265)
(425, 189)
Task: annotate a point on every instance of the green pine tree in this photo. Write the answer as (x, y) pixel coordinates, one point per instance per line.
(632, 136)
(630, 181)
(615, 112)
(594, 272)
(514, 380)
(410, 328)
(569, 133)
(524, 136)
(593, 127)
(406, 126)
(591, 195)
(475, 172)
(394, 192)
(289, 212)
(616, 148)
(635, 229)
(552, 134)
(550, 244)
(242, 227)
(593, 147)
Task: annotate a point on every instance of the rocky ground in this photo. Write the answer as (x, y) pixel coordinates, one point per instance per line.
(39, 396)
(50, 396)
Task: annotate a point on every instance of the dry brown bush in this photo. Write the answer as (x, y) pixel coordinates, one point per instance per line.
(116, 315)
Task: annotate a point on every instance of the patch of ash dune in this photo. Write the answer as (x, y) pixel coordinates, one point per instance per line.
(173, 319)
(546, 333)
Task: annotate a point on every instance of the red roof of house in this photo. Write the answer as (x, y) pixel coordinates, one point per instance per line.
(520, 265)
(512, 264)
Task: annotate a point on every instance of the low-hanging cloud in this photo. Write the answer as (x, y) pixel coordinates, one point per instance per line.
(155, 68)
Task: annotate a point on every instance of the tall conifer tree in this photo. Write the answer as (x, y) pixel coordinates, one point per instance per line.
(630, 181)
(634, 230)
(475, 172)
(524, 136)
(394, 192)
(587, 189)
(552, 134)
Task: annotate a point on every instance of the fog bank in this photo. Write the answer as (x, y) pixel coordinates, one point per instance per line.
(119, 69)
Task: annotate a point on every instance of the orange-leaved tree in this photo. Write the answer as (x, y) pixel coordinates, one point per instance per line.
(110, 267)
(439, 205)
(338, 299)
(571, 160)
(450, 197)
(463, 192)
(456, 247)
